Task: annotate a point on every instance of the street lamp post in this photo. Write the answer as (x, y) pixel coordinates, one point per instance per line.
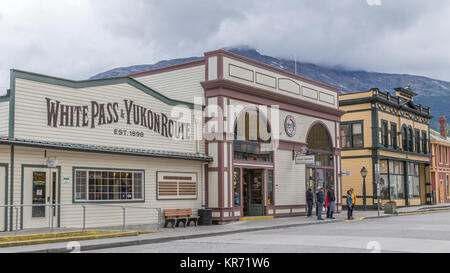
(364, 174)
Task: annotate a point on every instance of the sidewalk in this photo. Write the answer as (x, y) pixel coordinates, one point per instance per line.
(180, 233)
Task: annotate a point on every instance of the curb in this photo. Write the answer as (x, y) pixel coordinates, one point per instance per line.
(423, 212)
(191, 236)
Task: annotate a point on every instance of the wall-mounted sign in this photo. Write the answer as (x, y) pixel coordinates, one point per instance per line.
(66, 180)
(346, 173)
(98, 114)
(290, 126)
(305, 159)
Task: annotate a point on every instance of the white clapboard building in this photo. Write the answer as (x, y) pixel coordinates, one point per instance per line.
(225, 133)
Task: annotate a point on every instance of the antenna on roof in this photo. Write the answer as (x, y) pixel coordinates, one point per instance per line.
(295, 64)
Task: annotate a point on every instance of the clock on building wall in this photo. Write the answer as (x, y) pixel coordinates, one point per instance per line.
(290, 126)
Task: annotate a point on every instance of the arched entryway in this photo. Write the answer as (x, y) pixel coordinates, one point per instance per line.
(321, 173)
(252, 163)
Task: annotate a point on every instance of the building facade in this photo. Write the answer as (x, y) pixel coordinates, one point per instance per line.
(440, 163)
(391, 132)
(222, 133)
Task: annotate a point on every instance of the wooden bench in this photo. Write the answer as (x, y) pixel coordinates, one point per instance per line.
(175, 216)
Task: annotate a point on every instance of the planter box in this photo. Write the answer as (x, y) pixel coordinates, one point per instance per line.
(389, 208)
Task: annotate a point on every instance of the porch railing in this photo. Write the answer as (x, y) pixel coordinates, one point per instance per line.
(52, 209)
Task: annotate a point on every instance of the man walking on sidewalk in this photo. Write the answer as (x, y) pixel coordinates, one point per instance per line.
(309, 200)
(320, 199)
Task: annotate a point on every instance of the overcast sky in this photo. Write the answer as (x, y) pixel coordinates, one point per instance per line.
(76, 39)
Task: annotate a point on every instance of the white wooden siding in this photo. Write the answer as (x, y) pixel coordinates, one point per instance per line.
(182, 84)
(97, 216)
(290, 180)
(4, 118)
(31, 117)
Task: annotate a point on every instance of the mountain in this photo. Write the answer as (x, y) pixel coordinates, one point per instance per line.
(431, 92)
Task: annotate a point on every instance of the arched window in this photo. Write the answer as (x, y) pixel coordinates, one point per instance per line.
(411, 139)
(252, 137)
(320, 144)
(405, 138)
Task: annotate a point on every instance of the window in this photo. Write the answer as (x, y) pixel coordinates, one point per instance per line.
(384, 182)
(417, 139)
(439, 153)
(237, 187)
(424, 142)
(270, 188)
(352, 135)
(396, 180)
(448, 185)
(394, 135)
(174, 185)
(111, 185)
(410, 140)
(385, 134)
(413, 180)
(39, 194)
(446, 155)
(404, 138)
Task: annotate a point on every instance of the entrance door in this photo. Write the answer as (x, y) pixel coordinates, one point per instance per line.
(2, 198)
(315, 179)
(39, 189)
(253, 192)
(441, 191)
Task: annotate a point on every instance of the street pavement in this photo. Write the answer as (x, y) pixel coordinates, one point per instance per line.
(413, 233)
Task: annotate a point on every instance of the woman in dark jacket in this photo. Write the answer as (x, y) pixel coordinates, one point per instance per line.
(349, 205)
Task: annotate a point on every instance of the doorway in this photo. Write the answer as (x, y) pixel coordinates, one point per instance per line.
(40, 191)
(253, 189)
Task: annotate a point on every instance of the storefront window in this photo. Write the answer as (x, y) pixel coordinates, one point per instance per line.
(96, 185)
(413, 180)
(384, 182)
(270, 188)
(237, 187)
(396, 180)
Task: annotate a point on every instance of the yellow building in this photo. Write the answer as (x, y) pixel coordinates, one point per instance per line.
(391, 134)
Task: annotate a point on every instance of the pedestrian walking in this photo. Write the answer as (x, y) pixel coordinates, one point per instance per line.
(331, 196)
(309, 200)
(320, 200)
(349, 205)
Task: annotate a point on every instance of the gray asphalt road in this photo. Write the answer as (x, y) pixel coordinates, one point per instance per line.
(416, 233)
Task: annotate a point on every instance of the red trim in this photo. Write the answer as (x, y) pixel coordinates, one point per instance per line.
(269, 67)
(167, 69)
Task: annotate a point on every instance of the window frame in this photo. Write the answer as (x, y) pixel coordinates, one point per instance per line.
(394, 136)
(352, 136)
(424, 142)
(410, 139)
(417, 140)
(88, 169)
(385, 136)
